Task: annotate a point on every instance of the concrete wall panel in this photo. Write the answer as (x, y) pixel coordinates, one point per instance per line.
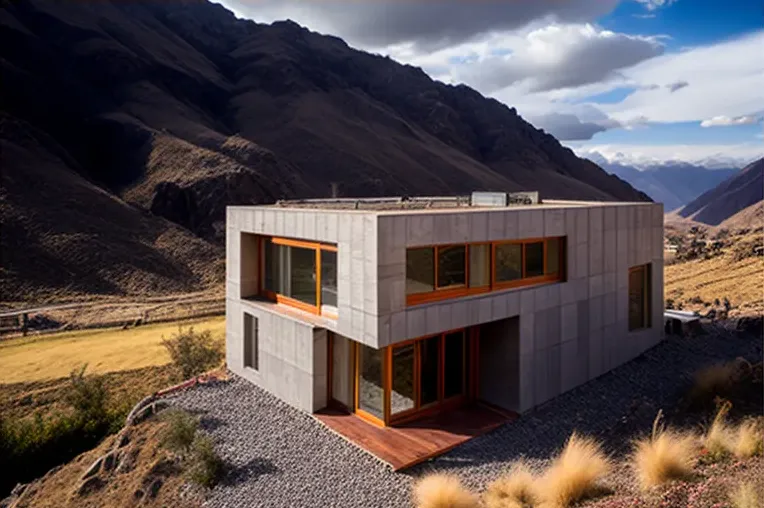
(280, 339)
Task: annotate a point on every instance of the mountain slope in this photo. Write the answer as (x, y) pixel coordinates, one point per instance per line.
(673, 184)
(738, 192)
(62, 236)
(175, 109)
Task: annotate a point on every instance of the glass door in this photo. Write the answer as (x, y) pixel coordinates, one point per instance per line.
(429, 370)
(403, 385)
(370, 393)
(454, 365)
(395, 383)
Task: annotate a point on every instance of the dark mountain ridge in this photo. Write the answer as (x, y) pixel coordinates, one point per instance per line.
(673, 184)
(178, 109)
(737, 193)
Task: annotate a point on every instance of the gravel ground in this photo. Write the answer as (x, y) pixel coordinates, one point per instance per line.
(280, 456)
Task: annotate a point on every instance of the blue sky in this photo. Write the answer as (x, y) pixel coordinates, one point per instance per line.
(643, 81)
(688, 22)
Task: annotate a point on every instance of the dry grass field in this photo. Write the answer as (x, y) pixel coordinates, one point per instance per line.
(742, 282)
(54, 356)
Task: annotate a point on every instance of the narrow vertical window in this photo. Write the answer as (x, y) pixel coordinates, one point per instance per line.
(329, 281)
(552, 256)
(639, 297)
(251, 346)
(371, 395)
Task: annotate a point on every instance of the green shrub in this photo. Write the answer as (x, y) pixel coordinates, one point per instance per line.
(193, 352)
(88, 397)
(180, 432)
(31, 446)
(204, 467)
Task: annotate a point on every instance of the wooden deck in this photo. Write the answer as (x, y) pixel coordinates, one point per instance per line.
(405, 445)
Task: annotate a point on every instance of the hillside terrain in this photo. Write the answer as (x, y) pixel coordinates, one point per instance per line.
(126, 129)
(673, 184)
(739, 192)
(708, 265)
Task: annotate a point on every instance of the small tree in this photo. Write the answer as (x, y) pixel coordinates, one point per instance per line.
(88, 396)
(193, 352)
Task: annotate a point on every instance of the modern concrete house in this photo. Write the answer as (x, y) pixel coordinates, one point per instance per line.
(399, 308)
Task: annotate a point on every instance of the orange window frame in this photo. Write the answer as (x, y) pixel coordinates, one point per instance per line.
(470, 338)
(456, 292)
(279, 298)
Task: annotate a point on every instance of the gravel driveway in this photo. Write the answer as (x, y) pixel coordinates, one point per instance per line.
(281, 457)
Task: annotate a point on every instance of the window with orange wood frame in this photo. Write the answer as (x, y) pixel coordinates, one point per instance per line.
(442, 272)
(300, 274)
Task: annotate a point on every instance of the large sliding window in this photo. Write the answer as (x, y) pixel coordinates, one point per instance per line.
(301, 274)
(405, 380)
(451, 271)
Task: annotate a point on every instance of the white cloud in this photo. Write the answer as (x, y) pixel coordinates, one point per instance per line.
(726, 121)
(544, 57)
(566, 127)
(726, 80)
(556, 57)
(652, 5)
(427, 24)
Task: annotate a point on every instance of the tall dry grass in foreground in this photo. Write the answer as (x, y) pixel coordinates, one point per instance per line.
(723, 440)
(573, 474)
(748, 441)
(664, 456)
(745, 496)
(443, 491)
(516, 489)
(719, 438)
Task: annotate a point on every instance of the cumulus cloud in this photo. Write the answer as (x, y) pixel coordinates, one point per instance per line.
(726, 121)
(677, 85)
(566, 127)
(726, 80)
(560, 56)
(426, 23)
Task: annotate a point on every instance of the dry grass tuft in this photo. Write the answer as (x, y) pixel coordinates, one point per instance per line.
(666, 455)
(748, 440)
(573, 475)
(720, 437)
(745, 496)
(443, 491)
(517, 489)
(715, 381)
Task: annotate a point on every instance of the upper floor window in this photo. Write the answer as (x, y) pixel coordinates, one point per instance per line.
(640, 289)
(302, 274)
(449, 271)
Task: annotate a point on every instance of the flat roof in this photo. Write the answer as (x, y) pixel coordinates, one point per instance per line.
(424, 204)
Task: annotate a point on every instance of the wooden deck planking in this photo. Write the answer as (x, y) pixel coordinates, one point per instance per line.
(408, 444)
